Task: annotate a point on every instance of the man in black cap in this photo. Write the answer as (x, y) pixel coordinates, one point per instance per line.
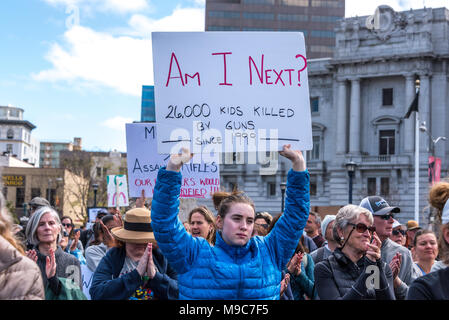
(383, 216)
(36, 203)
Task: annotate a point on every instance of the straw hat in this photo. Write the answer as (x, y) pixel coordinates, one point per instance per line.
(137, 227)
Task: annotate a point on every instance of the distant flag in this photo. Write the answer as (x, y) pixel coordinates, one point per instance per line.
(413, 106)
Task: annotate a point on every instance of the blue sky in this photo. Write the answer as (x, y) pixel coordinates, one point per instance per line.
(77, 66)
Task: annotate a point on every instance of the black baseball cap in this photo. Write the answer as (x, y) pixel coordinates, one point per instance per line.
(378, 206)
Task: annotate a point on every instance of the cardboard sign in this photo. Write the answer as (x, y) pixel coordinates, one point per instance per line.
(231, 91)
(199, 179)
(117, 191)
(86, 277)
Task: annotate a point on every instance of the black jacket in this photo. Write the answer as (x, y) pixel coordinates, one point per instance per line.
(338, 278)
(432, 286)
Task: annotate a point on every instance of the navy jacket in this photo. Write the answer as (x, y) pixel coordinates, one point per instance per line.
(107, 285)
(253, 271)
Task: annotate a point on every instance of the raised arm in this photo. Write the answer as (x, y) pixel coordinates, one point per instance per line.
(284, 237)
(176, 244)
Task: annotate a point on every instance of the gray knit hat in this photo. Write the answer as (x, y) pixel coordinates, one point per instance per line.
(328, 219)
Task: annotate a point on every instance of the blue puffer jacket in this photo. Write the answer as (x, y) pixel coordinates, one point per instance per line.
(253, 271)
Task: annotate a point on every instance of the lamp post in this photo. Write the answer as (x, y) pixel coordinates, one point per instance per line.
(423, 128)
(283, 187)
(95, 187)
(350, 167)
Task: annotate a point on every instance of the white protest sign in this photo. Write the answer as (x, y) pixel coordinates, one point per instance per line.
(199, 179)
(86, 277)
(231, 91)
(117, 191)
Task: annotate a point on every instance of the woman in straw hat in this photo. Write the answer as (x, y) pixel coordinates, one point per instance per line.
(238, 266)
(135, 269)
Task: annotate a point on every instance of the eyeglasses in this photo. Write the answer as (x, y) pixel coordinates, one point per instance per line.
(399, 231)
(361, 228)
(263, 225)
(387, 216)
(66, 225)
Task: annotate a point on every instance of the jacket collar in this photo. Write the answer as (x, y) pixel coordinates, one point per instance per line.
(234, 251)
(343, 260)
(8, 254)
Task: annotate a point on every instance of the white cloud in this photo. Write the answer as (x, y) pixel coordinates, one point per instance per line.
(117, 123)
(89, 58)
(364, 8)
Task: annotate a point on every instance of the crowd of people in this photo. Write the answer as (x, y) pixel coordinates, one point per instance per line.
(227, 252)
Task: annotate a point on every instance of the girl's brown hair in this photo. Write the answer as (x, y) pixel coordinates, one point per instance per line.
(438, 195)
(209, 216)
(226, 199)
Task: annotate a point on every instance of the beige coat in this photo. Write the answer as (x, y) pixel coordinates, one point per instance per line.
(20, 277)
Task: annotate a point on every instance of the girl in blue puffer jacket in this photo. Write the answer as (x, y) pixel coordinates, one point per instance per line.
(238, 266)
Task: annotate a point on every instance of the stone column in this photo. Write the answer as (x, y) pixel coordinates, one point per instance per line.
(354, 122)
(409, 124)
(341, 117)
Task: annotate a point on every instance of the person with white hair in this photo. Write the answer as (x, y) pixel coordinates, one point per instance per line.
(44, 230)
(347, 273)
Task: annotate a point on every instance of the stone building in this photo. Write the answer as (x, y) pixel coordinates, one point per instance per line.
(358, 99)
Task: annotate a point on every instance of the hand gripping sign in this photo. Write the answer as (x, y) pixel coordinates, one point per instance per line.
(231, 91)
(199, 179)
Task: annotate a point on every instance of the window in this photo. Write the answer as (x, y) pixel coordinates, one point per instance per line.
(98, 171)
(371, 186)
(51, 196)
(271, 189)
(322, 34)
(386, 142)
(387, 97)
(5, 192)
(384, 186)
(314, 104)
(258, 15)
(10, 134)
(266, 2)
(224, 14)
(20, 197)
(233, 186)
(222, 28)
(35, 192)
(292, 17)
(24, 150)
(313, 185)
(327, 3)
(9, 148)
(325, 18)
(297, 3)
(314, 154)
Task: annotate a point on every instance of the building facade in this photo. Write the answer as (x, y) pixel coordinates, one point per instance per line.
(359, 98)
(15, 136)
(50, 152)
(315, 18)
(148, 105)
(59, 186)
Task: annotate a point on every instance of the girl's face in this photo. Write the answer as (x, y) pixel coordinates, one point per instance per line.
(238, 224)
(199, 227)
(48, 229)
(426, 247)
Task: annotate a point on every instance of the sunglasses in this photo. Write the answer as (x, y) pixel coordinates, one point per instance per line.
(361, 228)
(387, 216)
(263, 225)
(66, 224)
(397, 232)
